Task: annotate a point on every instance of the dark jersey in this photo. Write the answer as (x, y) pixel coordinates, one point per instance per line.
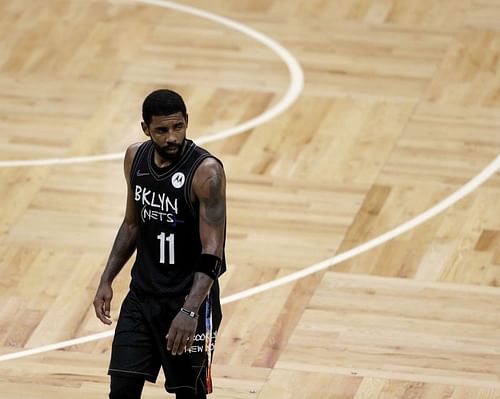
(168, 240)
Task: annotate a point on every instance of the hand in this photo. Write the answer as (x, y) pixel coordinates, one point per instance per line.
(102, 303)
(181, 333)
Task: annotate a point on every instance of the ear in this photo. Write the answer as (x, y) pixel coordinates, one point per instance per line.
(145, 128)
(187, 118)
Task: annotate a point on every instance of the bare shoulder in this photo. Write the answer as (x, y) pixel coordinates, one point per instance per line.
(209, 178)
(129, 158)
(209, 167)
(132, 150)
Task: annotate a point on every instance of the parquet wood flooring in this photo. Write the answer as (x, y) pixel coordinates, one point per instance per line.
(400, 108)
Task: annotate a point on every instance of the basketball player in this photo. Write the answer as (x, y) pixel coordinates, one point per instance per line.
(175, 217)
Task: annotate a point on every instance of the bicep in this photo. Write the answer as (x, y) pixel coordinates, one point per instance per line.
(130, 216)
(211, 193)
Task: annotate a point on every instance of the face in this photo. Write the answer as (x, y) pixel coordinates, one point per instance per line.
(167, 134)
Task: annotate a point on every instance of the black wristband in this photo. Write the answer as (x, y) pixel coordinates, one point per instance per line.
(208, 264)
(191, 314)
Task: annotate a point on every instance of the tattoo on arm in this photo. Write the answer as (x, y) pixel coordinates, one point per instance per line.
(214, 200)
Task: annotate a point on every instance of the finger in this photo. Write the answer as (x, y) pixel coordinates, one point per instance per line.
(178, 346)
(189, 342)
(98, 306)
(106, 320)
(105, 314)
(107, 307)
(170, 339)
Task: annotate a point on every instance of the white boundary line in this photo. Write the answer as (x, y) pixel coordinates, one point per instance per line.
(293, 91)
(484, 175)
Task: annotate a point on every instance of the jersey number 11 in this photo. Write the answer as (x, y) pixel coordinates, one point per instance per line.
(171, 253)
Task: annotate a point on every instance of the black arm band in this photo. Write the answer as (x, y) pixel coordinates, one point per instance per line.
(208, 264)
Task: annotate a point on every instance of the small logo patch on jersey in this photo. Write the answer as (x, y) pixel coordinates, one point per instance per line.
(139, 173)
(178, 180)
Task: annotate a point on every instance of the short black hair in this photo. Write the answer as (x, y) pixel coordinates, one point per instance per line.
(162, 102)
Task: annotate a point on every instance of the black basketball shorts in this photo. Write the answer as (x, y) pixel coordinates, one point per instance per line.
(140, 347)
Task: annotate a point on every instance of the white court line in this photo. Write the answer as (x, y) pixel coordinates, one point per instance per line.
(438, 208)
(484, 175)
(293, 91)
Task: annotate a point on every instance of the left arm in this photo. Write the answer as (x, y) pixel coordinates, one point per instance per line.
(209, 189)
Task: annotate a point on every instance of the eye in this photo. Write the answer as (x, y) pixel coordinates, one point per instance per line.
(179, 126)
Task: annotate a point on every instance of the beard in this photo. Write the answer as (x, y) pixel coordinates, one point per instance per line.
(170, 152)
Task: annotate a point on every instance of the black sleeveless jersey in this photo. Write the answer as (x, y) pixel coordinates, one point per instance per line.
(168, 239)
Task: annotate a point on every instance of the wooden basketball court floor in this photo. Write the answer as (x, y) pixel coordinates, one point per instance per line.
(400, 108)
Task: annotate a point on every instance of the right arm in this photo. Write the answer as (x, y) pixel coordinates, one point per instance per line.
(123, 247)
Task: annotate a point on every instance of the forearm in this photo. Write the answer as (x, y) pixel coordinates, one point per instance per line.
(123, 248)
(199, 291)
(209, 188)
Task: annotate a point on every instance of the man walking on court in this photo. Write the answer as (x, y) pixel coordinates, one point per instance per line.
(176, 219)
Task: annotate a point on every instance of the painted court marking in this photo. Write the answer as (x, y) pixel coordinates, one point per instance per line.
(484, 175)
(293, 91)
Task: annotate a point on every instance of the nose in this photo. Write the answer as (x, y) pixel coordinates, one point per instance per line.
(171, 139)
(170, 136)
